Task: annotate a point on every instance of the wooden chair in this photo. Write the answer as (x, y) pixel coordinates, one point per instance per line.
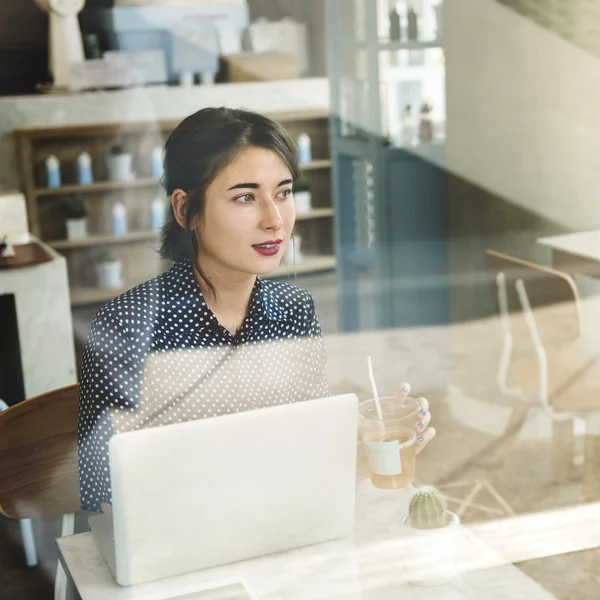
(38, 462)
(540, 312)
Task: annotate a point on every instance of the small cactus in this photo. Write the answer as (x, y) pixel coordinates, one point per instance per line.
(427, 509)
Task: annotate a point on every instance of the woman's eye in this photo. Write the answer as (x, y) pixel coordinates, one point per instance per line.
(285, 193)
(244, 199)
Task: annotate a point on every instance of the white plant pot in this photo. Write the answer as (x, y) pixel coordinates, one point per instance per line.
(120, 167)
(303, 201)
(108, 275)
(434, 553)
(76, 228)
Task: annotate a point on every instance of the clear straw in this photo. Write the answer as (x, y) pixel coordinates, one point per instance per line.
(374, 387)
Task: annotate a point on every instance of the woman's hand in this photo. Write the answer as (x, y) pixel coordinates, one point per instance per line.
(424, 433)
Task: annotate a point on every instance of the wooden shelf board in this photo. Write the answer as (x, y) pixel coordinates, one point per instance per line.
(165, 126)
(99, 186)
(315, 213)
(310, 264)
(90, 295)
(104, 240)
(321, 163)
(384, 45)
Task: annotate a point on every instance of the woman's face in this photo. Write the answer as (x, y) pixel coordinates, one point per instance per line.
(249, 214)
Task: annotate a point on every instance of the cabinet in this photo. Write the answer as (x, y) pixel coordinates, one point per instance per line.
(138, 248)
(388, 173)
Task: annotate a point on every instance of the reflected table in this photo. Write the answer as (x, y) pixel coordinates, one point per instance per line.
(370, 565)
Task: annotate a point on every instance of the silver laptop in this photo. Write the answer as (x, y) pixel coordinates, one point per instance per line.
(211, 492)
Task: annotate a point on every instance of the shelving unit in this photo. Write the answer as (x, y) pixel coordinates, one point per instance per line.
(137, 249)
(389, 183)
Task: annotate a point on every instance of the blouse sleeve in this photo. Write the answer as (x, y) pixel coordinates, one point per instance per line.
(110, 379)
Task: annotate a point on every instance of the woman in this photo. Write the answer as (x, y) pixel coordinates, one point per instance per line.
(209, 336)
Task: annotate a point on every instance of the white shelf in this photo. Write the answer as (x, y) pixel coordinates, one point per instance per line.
(386, 45)
(104, 240)
(309, 264)
(99, 186)
(315, 213)
(321, 163)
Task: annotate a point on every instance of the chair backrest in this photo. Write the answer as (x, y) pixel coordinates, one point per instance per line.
(38, 456)
(552, 294)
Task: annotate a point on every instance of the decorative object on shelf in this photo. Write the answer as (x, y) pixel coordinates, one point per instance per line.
(158, 212)
(7, 250)
(64, 38)
(108, 271)
(195, 48)
(75, 218)
(156, 162)
(146, 66)
(429, 519)
(395, 30)
(84, 169)
(293, 252)
(439, 19)
(207, 78)
(186, 79)
(119, 218)
(426, 124)
(302, 195)
(304, 149)
(408, 127)
(286, 35)
(53, 178)
(119, 164)
(412, 24)
(91, 45)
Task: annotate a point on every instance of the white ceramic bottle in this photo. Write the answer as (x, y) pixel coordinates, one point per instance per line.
(119, 218)
(157, 214)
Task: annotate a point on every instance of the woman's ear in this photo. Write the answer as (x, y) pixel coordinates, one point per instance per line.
(179, 202)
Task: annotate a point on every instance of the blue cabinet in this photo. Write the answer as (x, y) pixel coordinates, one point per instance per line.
(389, 181)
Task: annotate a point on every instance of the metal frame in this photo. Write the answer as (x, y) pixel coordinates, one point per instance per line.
(502, 376)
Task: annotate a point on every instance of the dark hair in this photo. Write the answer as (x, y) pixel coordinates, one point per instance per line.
(197, 150)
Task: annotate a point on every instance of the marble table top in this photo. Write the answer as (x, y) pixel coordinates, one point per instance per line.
(376, 563)
(585, 244)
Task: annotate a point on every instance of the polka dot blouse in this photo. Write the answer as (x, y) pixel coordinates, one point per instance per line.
(156, 355)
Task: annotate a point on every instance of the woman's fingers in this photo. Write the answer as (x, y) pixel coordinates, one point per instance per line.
(423, 422)
(403, 390)
(425, 438)
(424, 404)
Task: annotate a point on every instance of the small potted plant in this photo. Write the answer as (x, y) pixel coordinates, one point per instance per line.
(109, 271)
(435, 528)
(75, 218)
(302, 195)
(119, 164)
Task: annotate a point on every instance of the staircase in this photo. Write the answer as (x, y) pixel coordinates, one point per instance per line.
(577, 21)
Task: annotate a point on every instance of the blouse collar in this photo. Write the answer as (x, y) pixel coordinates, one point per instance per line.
(185, 291)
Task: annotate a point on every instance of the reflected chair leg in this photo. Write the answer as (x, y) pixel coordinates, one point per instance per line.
(562, 450)
(591, 461)
(61, 583)
(28, 542)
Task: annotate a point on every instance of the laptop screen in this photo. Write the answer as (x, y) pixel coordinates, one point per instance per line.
(234, 591)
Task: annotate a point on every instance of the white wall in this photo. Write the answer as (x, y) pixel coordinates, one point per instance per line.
(523, 112)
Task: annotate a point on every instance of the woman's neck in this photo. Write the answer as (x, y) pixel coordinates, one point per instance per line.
(233, 292)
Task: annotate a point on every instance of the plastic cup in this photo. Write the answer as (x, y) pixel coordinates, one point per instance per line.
(390, 444)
